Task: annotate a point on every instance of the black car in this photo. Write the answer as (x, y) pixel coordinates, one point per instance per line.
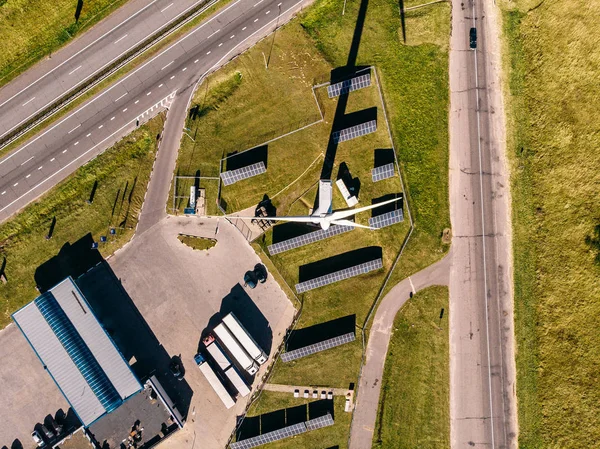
(473, 38)
(176, 368)
(261, 273)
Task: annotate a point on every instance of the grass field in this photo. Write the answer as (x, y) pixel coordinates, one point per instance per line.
(32, 29)
(553, 64)
(197, 243)
(415, 405)
(122, 173)
(326, 437)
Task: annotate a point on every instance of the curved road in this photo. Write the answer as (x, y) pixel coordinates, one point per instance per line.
(369, 389)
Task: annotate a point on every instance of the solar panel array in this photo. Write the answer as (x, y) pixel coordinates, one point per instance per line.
(347, 86)
(318, 423)
(233, 176)
(387, 219)
(339, 275)
(306, 239)
(317, 347)
(355, 131)
(269, 437)
(384, 172)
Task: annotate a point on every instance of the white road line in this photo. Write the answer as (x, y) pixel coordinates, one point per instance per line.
(15, 184)
(53, 159)
(267, 12)
(40, 167)
(212, 34)
(220, 44)
(168, 65)
(169, 78)
(256, 4)
(75, 144)
(125, 110)
(101, 126)
(27, 177)
(126, 77)
(74, 70)
(244, 28)
(112, 118)
(121, 96)
(184, 69)
(74, 129)
(160, 85)
(148, 93)
(208, 52)
(196, 61)
(120, 39)
(3, 193)
(137, 101)
(27, 160)
(279, 4)
(166, 7)
(64, 151)
(232, 36)
(255, 20)
(28, 101)
(88, 134)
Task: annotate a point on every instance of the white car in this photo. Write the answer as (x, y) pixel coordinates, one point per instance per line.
(37, 438)
(296, 393)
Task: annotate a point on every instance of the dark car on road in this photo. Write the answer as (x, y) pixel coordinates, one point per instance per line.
(253, 277)
(473, 38)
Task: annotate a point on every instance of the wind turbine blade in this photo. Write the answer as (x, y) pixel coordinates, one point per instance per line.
(348, 213)
(351, 223)
(293, 219)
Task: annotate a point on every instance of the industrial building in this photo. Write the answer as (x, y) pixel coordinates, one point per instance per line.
(91, 372)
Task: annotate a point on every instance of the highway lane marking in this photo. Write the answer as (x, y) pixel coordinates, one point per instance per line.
(121, 96)
(196, 61)
(208, 52)
(125, 110)
(121, 38)
(166, 7)
(136, 101)
(3, 193)
(15, 184)
(88, 134)
(112, 118)
(52, 160)
(169, 78)
(101, 126)
(148, 93)
(74, 70)
(27, 177)
(114, 59)
(232, 36)
(168, 65)
(75, 144)
(255, 20)
(28, 101)
(80, 51)
(211, 35)
(184, 69)
(74, 129)
(40, 167)
(27, 160)
(279, 4)
(244, 28)
(267, 12)
(64, 151)
(161, 85)
(256, 4)
(220, 44)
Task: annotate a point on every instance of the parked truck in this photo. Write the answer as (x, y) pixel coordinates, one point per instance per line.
(214, 381)
(236, 350)
(245, 339)
(225, 364)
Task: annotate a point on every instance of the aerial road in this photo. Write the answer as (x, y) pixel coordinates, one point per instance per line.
(91, 128)
(51, 79)
(482, 366)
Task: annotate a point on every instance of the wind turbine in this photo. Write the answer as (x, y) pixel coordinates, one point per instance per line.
(323, 215)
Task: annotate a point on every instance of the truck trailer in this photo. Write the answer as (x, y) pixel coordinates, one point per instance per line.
(214, 381)
(245, 339)
(236, 350)
(237, 381)
(225, 364)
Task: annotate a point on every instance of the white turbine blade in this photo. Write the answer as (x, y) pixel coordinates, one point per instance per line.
(348, 213)
(351, 223)
(294, 219)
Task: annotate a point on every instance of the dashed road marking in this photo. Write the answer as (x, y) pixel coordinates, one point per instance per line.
(120, 39)
(196, 61)
(125, 110)
(64, 151)
(28, 101)
(160, 85)
(168, 65)
(40, 167)
(112, 118)
(256, 4)
(169, 78)
(244, 28)
(232, 36)
(75, 144)
(15, 184)
(101, 126)
(27, 177)
(52, 160)
(74, 129)
(27, 160)
(211, 35)
(220, 44)
(255, 20)
(267, 12)
(148, 93)
(121, 97)
(137, 101)
(184, 69)
(74, 70)
(208, 52)
(166, 7)
(88, 134)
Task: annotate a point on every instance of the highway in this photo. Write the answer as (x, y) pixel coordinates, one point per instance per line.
(482, 367)
(91, 128)
(51, 79)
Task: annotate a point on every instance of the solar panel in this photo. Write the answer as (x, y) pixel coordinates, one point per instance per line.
(318, 423)
(387, 219)
(339, 275)
(317, 347)
(355, 131)
(269, 437)
(306, 239)
(384, 172)
(233, 176)
(350, 85)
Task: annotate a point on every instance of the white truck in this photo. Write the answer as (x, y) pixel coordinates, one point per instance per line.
(214, 381)
(232, 345)
(245, 339)
(225, 364)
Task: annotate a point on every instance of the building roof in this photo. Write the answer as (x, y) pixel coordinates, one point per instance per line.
(78, 354)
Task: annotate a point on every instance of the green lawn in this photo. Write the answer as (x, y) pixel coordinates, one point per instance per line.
(553, 144)
(197, 243)
(32, 29)
(414, 411)
(122, 173)
(326, 437)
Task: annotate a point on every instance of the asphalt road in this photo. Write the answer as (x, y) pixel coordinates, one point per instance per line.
(96, 49)
(96, 125)
(369, 390)
(482, 370)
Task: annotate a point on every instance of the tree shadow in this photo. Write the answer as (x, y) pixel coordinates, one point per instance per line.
(300, 338)
(387, 207)
(383, 156)
(341, 261)
(255, 155)
(593, 241)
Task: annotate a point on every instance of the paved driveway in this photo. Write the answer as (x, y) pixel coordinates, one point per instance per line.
(178, 291)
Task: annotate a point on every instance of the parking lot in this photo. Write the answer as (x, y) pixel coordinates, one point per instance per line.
(156, 298)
